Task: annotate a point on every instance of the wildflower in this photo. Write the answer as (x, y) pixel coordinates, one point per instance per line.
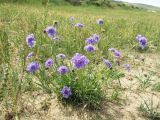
(138, 37)
(79, 61)
(143, 42)
(116, 52)
(66, 92)
(93, 39)
(127, 67)
(80, 25)
(61, 56)
(90, 40)
(100, 21)
(49, 63)
(96, 37)
(51, 31)
(30, 40)
(107, 63)
(32, 67)
(29, 55)
(90, 48)
(62, 70)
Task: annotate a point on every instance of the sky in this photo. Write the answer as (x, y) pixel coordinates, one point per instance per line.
(148, 2)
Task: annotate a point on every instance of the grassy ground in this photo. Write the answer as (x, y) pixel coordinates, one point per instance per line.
(139, 90)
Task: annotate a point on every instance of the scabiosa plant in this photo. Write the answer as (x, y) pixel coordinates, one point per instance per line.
(90, 40)
(93, 39)
(51, 31)
(61, 56)
(62, 70)
(143, 42)
(80, 25)
(29, 55)
(32, 67)
(127, 67)
(115, 52)
(49, 63)
(138, 37)
(100, 21)
(96, 37)
(89, 48)
(107, 63)
(79, 61)
(66, 92)
(30, 40)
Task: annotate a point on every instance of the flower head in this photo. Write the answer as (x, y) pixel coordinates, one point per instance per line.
(51, 31)
(79, 61)
(66, 92)
(117, 54)
(32, 67)
(89, 48)
(62, 70)
(107, 63)
(93, 39)
(61, 56)
(138, 37)
(30, 40)
(100, 21)
(49, 63)
(127, 67)
(90, 40)
(96, 37)
(80, 25)
(29, 55)
(143, 42)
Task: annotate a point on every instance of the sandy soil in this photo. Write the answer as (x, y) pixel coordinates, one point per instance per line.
(40, 106)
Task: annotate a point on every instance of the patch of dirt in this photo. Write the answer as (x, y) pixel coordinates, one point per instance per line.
(41, 106)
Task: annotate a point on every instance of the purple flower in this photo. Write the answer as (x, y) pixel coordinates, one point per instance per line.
(32, 67)
(62, 70)
(49, 63)
(29, 55)
(61, 56)
(51, 31)
(90, 40)
(143, 42)
(90, 48)
(96, 37)
(127, 67)
(93, 39)
(66, 92)
(116, 52)
(80, 25)
(138, 37)
(79, 61)
(100, 21)
(30, 40)
(107, 63)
